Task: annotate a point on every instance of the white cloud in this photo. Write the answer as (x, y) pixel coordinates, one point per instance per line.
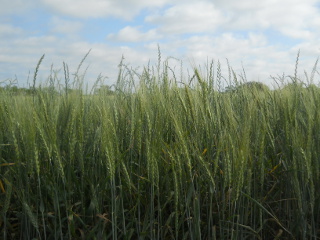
(15, 6)
(292, 18)
(7, 30)
(124, 9)
(26, 51)
(244, 5)
(189, 17)
(133, 34)
(59, 25)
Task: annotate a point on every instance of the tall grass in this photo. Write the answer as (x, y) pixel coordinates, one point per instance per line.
(161, 160)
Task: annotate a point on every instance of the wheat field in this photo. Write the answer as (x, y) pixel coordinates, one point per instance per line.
(155, 158)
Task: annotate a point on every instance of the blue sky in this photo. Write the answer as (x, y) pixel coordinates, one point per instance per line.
(263, 36)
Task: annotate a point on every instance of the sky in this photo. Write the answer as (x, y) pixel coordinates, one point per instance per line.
(261, 38)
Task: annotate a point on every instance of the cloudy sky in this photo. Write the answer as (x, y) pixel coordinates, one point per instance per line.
(263, 36)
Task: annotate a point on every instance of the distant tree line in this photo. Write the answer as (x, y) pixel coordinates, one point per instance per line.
(107, 90)
(15, 90)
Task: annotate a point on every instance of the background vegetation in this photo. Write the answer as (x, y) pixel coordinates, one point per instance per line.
(160, 159)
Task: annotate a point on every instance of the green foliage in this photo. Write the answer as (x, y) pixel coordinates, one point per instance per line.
(104, 90)
(155, 159)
